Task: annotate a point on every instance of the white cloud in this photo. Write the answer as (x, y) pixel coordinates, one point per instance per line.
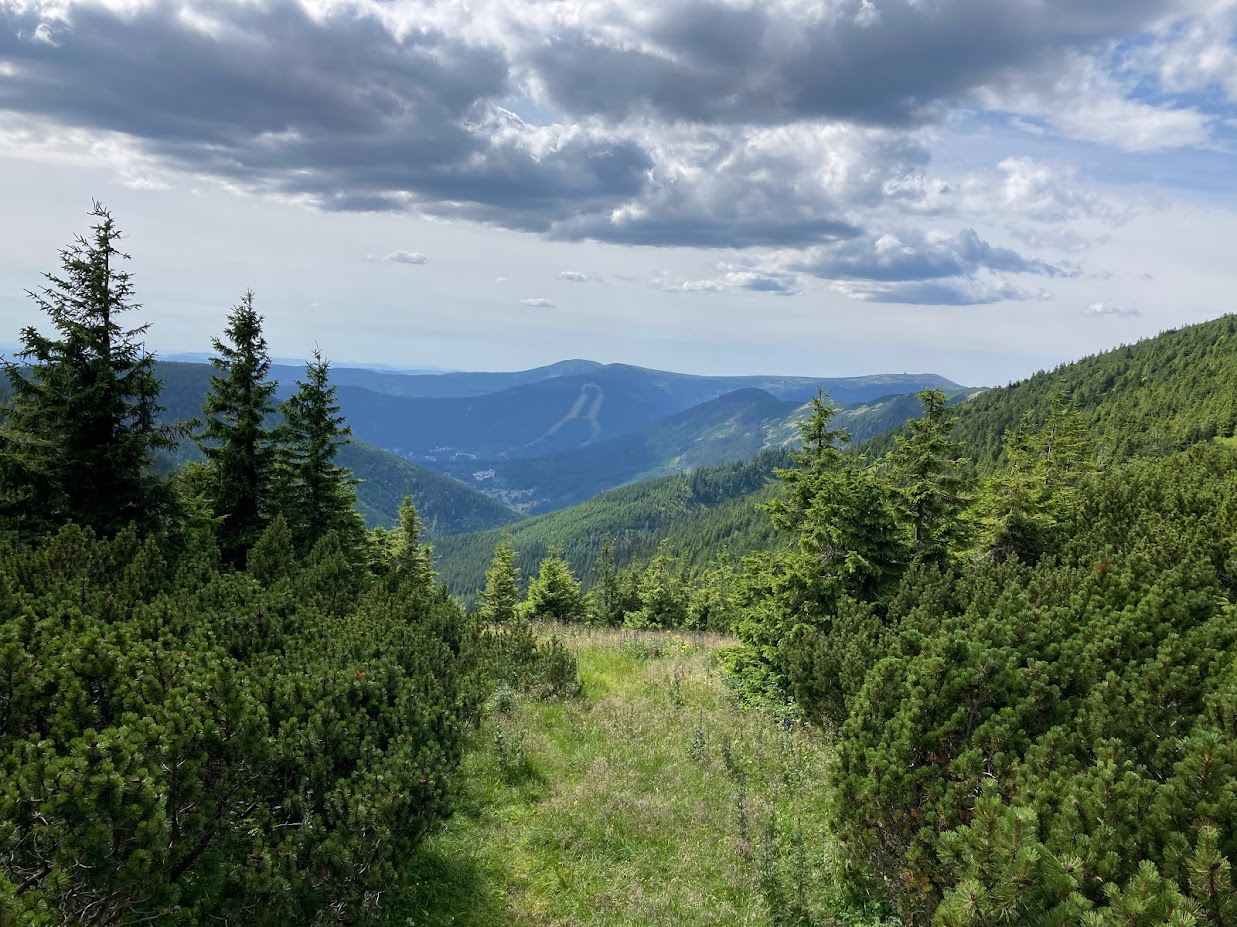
(537, 303)
(1111, 311)
(406, 257)
(574, 276)
(733, 278)
(1198, 52)
(955, 291)
(1084, 99)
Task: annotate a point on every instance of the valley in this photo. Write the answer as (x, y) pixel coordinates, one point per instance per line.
(539, 440)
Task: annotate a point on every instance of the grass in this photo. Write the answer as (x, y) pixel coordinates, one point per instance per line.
(654, 799)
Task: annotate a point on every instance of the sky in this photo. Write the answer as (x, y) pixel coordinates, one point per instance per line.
(973, 188)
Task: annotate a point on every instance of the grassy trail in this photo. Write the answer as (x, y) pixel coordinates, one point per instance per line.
(653, 799)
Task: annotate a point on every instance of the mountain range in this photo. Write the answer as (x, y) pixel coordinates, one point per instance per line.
(537, 440)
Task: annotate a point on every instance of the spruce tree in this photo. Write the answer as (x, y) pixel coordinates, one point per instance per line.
(238, 444)
(80, 427)
(928, 470)
(412, 561)
(501, 597)
(817, 462)
(606, 598)
(663, 594)
(1025, 506)
(316, 494)
(555, 593)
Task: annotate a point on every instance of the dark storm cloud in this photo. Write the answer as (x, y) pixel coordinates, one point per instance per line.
(889, 62)
(776, 125)
(339, 108)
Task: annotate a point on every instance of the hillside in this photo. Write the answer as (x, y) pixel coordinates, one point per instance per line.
(439, 385)
(446, 505)
(735, 426)
(709, 510)
(1148, 398)
(1153, 397)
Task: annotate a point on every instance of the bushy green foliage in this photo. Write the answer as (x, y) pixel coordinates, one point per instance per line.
(183, 742)
(1032, 690)
(1087, 699)
(554, 593)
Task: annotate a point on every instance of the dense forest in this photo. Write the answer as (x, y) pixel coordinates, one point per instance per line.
(1012, 624)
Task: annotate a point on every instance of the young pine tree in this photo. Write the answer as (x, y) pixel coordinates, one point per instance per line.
(238, 445)
(555, 593)
(817, 463)
(927, 469)
(80, 427)
(1024, 507)
(316, 494)
(605, 600)
(412, 562)
(501, 597)
(663, 594)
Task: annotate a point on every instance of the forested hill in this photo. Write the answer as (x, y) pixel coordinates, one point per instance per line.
(1153, 397)
(446, 505)
(707, 512)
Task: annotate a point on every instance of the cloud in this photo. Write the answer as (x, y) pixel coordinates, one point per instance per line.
(784, 125)
(537, 303)
(1197, 53)
(406, 257)
(734, 278)
(785, 61)
(957, 291)
(1084, 99)
(1111, 311)
(336, 107)
(916, 256)
(1043, 192)
(574, 276)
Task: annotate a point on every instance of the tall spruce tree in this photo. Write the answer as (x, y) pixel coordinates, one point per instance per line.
(238, 444)
(80, 426)
(928, 471)
(606, 599)
(412, 562)
(315, 494)
(501, 596)
(817, 464)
